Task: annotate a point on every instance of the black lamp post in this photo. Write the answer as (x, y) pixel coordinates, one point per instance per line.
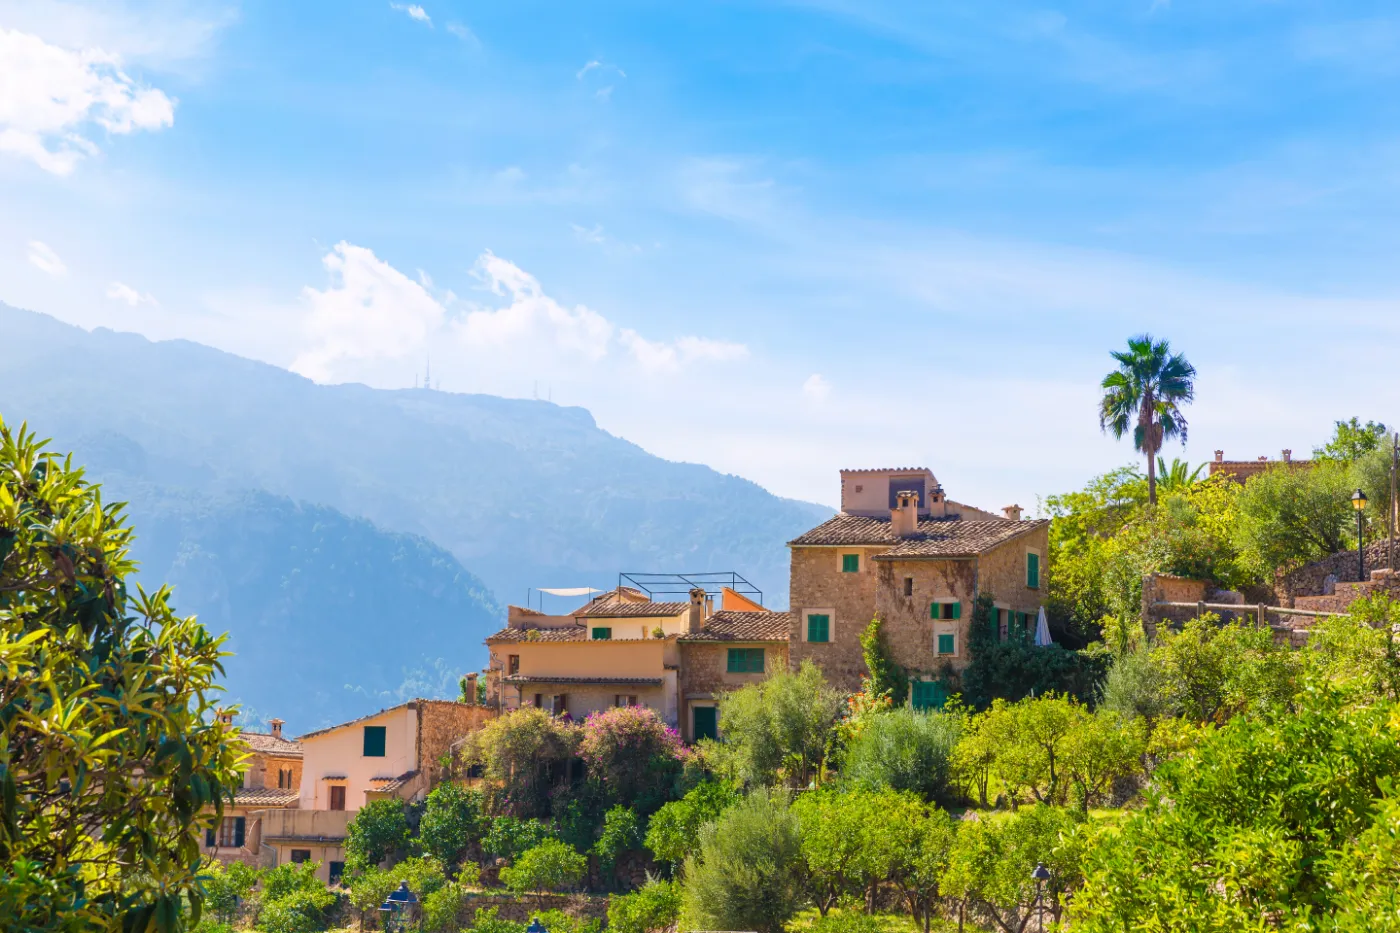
(535, 926)
(1041, 874)
(392, 910)
(1358, 502)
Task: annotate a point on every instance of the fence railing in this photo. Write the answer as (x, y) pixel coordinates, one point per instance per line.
(1259, 610)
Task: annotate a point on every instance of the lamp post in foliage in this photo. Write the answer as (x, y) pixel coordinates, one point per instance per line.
(394, 907)
(1358, 502)
(1041, 874)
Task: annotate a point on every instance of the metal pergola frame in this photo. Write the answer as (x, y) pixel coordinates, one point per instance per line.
(680, 584)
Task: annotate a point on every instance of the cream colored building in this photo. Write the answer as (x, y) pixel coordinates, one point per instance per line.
(270, 782)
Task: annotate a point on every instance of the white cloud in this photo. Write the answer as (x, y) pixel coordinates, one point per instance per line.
(592, 234)
(168, 35)
(654, 356)
(414, 11)
(463, 32)
(532, 317)
(816, 388)
(50, 95)
(596, 65)
(120, 291)
(42, 257)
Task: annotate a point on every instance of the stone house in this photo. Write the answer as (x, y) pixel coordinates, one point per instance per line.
(271, 782)
(1242, 471)
(624, 649)
(900, 549)
(396, 752)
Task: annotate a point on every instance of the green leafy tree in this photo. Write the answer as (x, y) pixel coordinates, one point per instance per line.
(747, 870)
(622, 833)
(1144, 395)
(842, 838)
(904, 749)
(1370, 473)
(510, 836)
(1099, 749)
(975, 755)
(1356, 653)
(1017, 667)
(915, 851)
(1138, 686)
(1219, 670)
(1031, 738)
(778, 730)
(632, 754)
(424, 876)
(113, 758)
(654, 906)
(1365, 875)
(991, 860)
(1351, 440)
(293, 899)
(452, 821)
(886, 678)
(1288, 517)
(673, 829)
(441, 907)
(378, 831)
(1178, 475)
(226, 888)
(550, 866)
(525, 755)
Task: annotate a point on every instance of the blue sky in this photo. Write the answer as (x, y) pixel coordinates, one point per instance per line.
(778, 238)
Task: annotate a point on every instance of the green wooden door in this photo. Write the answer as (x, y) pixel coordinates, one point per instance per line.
(706, 723)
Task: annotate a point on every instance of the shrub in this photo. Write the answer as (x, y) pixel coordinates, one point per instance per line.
(746, 872)
(225, 888)
(557, 921)
(672, 830)
(486, 920)
(846, 840)
(1017, 668)
(845, 921)
(633, 754)
(654, 906)
(293, 899)
(887, 679)
(778, 729)
(991, 860)
(550, 866)
(378, 831)
(622, 833)
(904, 749)
(440, 908)
(452, 821)
(525, 754)
(510, 836)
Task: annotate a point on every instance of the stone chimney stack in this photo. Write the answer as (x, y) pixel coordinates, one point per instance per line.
(471, 688)
(1012, 512)
(276, 726)
(695, 614)
(1220, 456)
(225, 716)
(904, 517)
(937, 503)
(1288, 456)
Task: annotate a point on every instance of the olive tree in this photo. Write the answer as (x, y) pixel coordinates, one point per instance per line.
(114, 759)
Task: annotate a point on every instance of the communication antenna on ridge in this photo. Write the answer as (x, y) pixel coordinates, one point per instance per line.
(428, 373)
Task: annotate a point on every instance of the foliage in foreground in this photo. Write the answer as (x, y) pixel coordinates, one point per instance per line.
(109, 699)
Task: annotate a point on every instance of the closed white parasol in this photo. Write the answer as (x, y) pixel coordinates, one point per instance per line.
(1042, 630)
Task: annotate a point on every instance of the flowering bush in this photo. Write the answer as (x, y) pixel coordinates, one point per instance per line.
(633, 754)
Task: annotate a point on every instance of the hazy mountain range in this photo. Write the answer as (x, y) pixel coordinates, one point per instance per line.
(358, 543)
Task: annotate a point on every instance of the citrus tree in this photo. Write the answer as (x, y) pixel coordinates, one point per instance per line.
(113, 759)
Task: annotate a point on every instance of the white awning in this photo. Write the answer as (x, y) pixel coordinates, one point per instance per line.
(568, 590)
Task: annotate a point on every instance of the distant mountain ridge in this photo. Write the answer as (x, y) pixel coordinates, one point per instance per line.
(521, 493)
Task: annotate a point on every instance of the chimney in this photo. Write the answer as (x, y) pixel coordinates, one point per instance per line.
(937, 503)
(471, 688)
(1012, 512)
(276, 726)
(904, 517)
(1220, 456)
(225, 716)
(695, 613)
(1288, 456)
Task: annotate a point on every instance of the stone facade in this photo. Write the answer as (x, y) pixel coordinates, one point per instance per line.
(818, 585)
(1242, 471)
(441, 724)
(705, 674)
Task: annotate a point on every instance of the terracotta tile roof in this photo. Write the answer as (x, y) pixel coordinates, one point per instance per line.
(271, 744)
(543, 679)
(264, 797)
(388, 785)
(744, 626)
(567, 633)
(618, 609)
(936, 537)
(890, 470)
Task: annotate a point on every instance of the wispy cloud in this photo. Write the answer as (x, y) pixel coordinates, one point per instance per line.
(600, 67)
(42, 257)
(592, 234)
(50, 96)
(816, 388)
(463, 32)
(120, 291)
(413, 11)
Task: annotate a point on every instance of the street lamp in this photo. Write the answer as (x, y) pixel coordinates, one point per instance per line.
(1358, 502)
(392, 910)
(535, 926)
(1041, 874)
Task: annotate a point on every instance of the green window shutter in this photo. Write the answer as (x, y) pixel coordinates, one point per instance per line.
(736, 661)
(1033, 571)
(819, 628)
(957, 610)
(933, 610)
(602, 634)
(240, 824)
(945, 644)
(706, 722)
(210, 839)
(755, 660)
(850, 563)
(374, 741)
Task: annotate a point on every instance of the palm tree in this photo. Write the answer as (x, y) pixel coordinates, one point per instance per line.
(1145, 393)
(1177, 475)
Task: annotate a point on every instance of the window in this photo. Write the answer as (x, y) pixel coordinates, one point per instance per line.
(513, 664)
(1033, 570)
(539, 701)
(952, 610)
(337, 869)
(300, 855)
(929, 694)
(706, 723)
(818, 627)
(231, 832)
(337, 796)
(947, 643)
(908, 586)
(746, 660)
(623, 699)
(559, 704)
(210, 839)
(850, 563)
(374, 741)
(602, 634)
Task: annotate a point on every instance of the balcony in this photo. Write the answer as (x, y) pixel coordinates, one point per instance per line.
(304, 825)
